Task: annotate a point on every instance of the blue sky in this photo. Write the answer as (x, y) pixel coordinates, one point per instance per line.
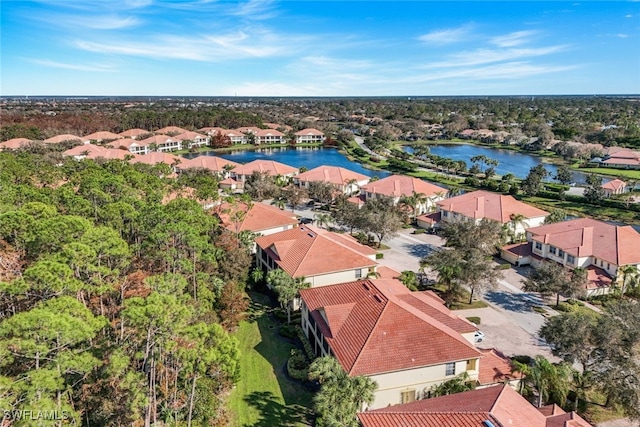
(325, 48)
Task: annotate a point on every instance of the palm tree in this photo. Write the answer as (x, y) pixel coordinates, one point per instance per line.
(550, 381)
(323, 219)
(279, 202)
(517, 220)
(630, 277)
(349, 184)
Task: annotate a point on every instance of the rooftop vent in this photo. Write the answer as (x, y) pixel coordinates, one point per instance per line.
(488, 423)
(377, 297)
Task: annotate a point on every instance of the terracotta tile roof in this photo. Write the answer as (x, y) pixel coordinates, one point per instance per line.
(257, 218)
(570, 419)
(212, 163)
(308, 251)
(385, 272)
(520, 249)
(499, 404)
(384, 329)
(14, 143)
(171, 129)
(357, 200)
(614, 185)
(212, 130)
(331, 174)
(249, 129)
(109, 153)
(100, 136)
(495, 368)
(61, 138)
(597, 278)
(156, 157)
(485, 204)
(402, 185)
(623, 161)
(158, 139)
(268, 132)
(269, 166)
(430, 218)
(83, 150)
(128, 143)
(585, 237)
(189, 135)
(552, 409)
(130, 133)
(309, 131)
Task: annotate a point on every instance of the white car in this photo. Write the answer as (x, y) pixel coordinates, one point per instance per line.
(478, 336)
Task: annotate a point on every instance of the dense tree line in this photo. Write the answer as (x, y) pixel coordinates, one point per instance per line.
(114, 307)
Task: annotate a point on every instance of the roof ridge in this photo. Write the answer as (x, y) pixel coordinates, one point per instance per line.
(304, 255)
(373, 328)
(498, 396)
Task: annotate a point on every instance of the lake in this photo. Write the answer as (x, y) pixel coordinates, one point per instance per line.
(513, 162)
(308, 157)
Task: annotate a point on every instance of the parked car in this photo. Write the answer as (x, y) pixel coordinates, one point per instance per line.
(305, 220)
(478, 336)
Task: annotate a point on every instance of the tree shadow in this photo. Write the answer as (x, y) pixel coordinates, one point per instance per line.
(519, 303)
(419, 250)
(273, 412)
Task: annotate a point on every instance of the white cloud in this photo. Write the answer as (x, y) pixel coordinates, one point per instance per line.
(513, 39)
(105, 22)
(486, 56)
(622, 36)
(255, 9)
(67, 66)
(447, 36)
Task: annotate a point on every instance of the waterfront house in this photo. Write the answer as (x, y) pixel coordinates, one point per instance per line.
(495, 406)
(506, 210)
(309, 136)
(345, 180)
(397, 186)
(269, 136)
(258, 218)
(622, 158)
(155, 157)
(405, 341)
(171, 130)
(131, 145)
(163, 143)
(235, 136)
(270, 167)
(217, 165)
(192, 139)
(616, 186)
(320, 256)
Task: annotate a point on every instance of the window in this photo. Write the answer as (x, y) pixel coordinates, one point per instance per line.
(552, 250)
(561, 253)
(538, 246)
(358, 273)
(407, 396)
(450, 369)
(571, 259)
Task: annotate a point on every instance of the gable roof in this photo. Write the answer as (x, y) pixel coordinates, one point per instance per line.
(485, 204)
(383, 327)
(130, 133)
(157, 157)
(100, 136)
(268, 132)
(258, 217)
(171, 129)
(309, 131)
(500, 405)
(585, 237)
(158, 139)
(14, 143)
(83, 150)
(212, 163)
(189, 135)
(271, 167)
(402, 185)
(331, 174)
(128, 143)
(614, 185)
(308, 251)
(495, 368)
(61, 138)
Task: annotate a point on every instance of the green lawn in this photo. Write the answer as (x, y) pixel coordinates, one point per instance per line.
(265, 396)
(622, 173)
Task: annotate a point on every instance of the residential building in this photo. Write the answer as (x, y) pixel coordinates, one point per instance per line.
(623, 158)
(131, 145)
(134, 133)
(80, 152)
(14, 143)
(218, 165)
(270, 167)
(211, 130)
(62, 138)
(269, 136)
(192, 139)
(258, 218)
(249, 129)
(320, 256)
(478, 205)
(236, 137)
(163, 143)
(348, 182)
(616, 186)
(405, 341)
(599, 247)
(155, 157)
(495, 406)
(309, 136)
(397, 186)
(100, 136)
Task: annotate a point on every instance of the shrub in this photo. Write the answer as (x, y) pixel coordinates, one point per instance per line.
(288, 331)
(305, 343)
(419, 231)
(298, 366)
(504, 266)
(379, 255)
(474, 319)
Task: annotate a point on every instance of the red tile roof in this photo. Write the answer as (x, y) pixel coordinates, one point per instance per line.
(268, 132)
(430, 218)
(614, 185)
(212, 163)
(158, 139)
(189, 135)
(158, 157)
(331, 174)
(171, 129)
(495, 368)
(519, 249)
(83, 150)
(271, 167)
(308, 251)
(130, 133)
(402, 185)
(61, 138)
(309, 131)
(12, 144)
(485, 204)
(100, 136)
(384, 327)
(127, 143)
(500, 405)
(257, 218)
(585, 237)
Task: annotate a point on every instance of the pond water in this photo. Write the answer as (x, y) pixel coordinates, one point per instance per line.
(309, 157)
(513, 162)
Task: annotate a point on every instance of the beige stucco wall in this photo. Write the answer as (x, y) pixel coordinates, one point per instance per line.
(338, 277)
(392, 384)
